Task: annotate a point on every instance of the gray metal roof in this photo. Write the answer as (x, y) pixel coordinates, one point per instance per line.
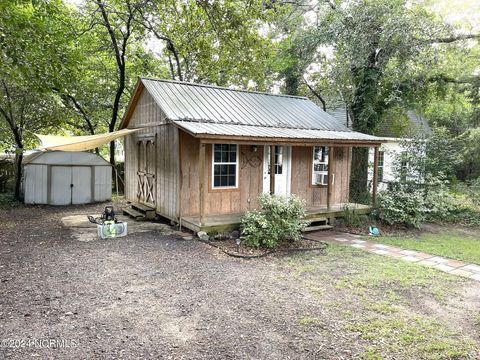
(210, 110)
(208, 104)
(272, 132)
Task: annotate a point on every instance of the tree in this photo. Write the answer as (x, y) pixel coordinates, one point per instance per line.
(212, 42)
(34, 50)
(374, 55)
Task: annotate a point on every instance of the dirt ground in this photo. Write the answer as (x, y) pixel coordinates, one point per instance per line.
(152, 295)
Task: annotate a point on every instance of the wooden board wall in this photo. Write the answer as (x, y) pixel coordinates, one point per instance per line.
(166, 157)
(302, 157)
(167, 171)
(219, 201)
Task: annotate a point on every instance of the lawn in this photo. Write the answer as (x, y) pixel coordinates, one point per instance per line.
(452, 244)
(395, 309)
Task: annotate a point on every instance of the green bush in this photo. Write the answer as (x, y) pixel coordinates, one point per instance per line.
(402, 204)
(279, 218)
(351, 217)
(411, 203)
(473, 191)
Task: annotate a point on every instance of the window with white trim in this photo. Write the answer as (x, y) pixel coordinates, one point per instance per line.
(381, 159)
(320, 165)
(225, 166)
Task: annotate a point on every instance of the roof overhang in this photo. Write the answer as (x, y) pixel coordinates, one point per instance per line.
(213, 132)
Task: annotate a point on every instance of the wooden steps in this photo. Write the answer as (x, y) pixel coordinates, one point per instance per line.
(140, 212)
(317, 223)
(318, 227)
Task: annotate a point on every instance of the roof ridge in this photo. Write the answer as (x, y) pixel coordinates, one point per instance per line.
(222, 88)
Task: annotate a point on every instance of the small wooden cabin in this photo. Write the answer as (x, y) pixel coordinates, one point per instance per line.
(206, 153)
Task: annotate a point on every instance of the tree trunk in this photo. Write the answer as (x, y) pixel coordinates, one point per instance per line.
(359, 176)
(18, 174)
(112, 153)
(366, 114)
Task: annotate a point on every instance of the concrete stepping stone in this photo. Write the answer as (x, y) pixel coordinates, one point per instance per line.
(451, 266)
(439, 260)
(473, 268)
(461, 272)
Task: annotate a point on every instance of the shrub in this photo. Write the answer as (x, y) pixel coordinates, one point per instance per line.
(411, 203)
(402, 204)
(279, 218)
(439, 200)
(351, 217)
(473, 191)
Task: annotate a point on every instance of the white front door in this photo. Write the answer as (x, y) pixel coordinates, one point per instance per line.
(283, 155)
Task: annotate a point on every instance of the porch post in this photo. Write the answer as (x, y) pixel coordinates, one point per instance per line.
(331, 151)
(272, 169)
(375, 176)
(201, 177)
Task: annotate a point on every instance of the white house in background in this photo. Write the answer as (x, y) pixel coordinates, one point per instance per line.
(391, 150)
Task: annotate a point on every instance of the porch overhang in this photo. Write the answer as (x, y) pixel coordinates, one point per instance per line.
(261, 135)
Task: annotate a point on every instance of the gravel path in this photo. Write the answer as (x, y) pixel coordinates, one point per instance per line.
(146, 296)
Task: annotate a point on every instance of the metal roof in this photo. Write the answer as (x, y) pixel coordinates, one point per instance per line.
(272, 132)
(210, 110)
(209, 104)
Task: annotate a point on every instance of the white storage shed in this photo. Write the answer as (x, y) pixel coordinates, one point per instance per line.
(64, 178)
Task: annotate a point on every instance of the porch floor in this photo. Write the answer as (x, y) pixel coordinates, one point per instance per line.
(228, 222)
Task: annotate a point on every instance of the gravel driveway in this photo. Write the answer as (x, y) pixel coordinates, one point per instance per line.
(144, 296)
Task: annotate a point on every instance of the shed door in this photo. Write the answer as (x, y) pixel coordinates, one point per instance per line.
(60, 190)
(146, 179)
(82, 185)
(71, 185)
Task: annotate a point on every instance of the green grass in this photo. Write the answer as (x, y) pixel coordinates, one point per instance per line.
(379, 302)
(414, 337)
(455, 246)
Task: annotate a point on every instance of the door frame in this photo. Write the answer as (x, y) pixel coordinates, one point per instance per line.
(286, 169)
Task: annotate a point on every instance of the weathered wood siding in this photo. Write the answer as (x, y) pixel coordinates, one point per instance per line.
(302, 157)
(219, 201)
(341, 169)
(164, 161)
(167, 171)
(189, 182)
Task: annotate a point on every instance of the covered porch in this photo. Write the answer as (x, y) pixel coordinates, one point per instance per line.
(229, 222)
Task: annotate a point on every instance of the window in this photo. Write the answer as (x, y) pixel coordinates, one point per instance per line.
(381, 156)
(278, 160)
(320, 165)
(225, 166)
(403, 166)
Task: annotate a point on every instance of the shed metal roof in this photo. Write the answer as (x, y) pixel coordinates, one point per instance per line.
(272, 132)
(203, 103)
(210, 110)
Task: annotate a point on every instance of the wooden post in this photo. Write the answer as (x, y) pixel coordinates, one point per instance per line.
(201, 176)
(331, 151)
(375, 176)
(272, 169)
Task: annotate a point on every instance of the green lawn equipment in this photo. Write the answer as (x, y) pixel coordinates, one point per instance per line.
(108, 226)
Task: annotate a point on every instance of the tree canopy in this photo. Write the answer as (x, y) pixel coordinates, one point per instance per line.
(71, 66)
